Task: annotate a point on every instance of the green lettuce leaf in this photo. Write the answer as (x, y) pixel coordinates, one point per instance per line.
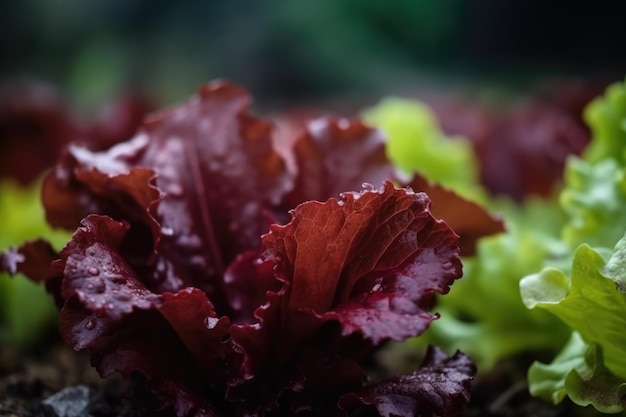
(594, 198)
(606, 116)
(592, 302)
(26, 311)
(579, 372)
(483, 314)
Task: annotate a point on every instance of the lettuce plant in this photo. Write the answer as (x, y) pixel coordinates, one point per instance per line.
(590, 368)
(238, 274)
(588, 295)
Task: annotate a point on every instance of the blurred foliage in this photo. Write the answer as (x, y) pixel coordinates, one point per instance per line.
(415, 142)
(26, 311)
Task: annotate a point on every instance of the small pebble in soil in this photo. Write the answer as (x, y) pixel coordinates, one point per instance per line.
(70, 402)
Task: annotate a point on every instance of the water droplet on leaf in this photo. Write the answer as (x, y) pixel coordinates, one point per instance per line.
(211, 322)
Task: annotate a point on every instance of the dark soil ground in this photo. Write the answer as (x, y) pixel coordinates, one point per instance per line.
(58, 382)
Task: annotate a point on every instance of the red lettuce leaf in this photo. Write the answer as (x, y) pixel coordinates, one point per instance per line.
(372, 261)
(522, 147)
(440, 388)
(469, 220)
(32, 259)
(246, 283)
(355, 272)
(527, 151)
(77, 188)
(187, 178)
(118, 120)
(34, 125)
(336, 155)
(174, 340)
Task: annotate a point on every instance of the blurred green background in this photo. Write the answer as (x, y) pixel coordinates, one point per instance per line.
(290, 51)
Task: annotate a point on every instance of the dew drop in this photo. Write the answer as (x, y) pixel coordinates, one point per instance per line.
(93, 271)
(90, 325)
(167, 231)
(211, 322)
(376, 288)
(447, 265)
(368, 187)
(97, 285)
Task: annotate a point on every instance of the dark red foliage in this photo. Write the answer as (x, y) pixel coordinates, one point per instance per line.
(36, 123)
(527, 151)
(39, 254)
(117, 121)
(382, 256)
(466, 218)
(382, 296)
(186, 179)
(336, 155)
(425, 392)
(522, 147)
(385, 259)
(167, 274)
(174, 340)
(34, 126)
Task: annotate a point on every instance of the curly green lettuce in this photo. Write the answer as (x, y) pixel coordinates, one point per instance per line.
(589, 295)
(592, 302)
(606, 116)
(594, 198)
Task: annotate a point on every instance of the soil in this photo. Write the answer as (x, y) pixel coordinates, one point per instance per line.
(58, 382)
